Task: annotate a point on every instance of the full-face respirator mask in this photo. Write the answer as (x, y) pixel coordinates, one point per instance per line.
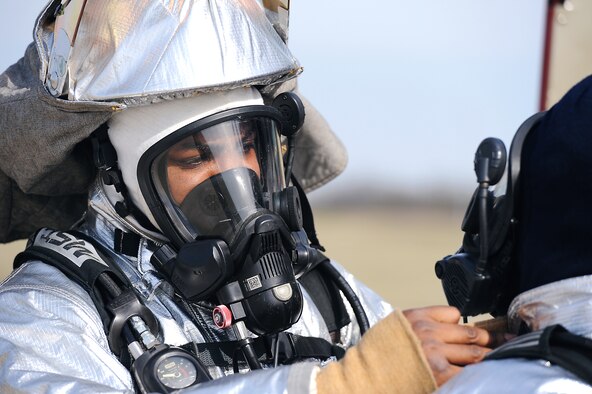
(215, 186)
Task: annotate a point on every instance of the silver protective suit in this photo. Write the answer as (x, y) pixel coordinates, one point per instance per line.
(567, 302)
(52, 338)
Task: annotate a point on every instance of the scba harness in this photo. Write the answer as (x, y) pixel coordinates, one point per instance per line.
(128, 323)
(132, 329)
(554, 344)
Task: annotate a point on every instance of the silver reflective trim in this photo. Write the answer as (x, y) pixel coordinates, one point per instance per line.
(376, 308)
(278, 13)
(295, 378)
(64, 34)
(514, 376)
(143, 51)
(567, 302)
(52, 339)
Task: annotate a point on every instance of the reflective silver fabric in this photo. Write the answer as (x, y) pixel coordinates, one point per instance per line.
(52, 339)
(514, 376)
(278, 13)
(567, 302)
(141, 51)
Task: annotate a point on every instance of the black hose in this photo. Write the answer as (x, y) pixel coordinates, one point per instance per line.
(250, 355)
(112, 288)
(246, 348)
(333, 274)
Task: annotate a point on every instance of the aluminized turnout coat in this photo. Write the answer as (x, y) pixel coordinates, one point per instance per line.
(52, 339)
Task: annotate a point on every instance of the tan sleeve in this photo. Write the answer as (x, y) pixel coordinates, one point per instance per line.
(388, 359)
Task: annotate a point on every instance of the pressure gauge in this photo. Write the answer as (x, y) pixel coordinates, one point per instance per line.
(176, 372)
(164, 369)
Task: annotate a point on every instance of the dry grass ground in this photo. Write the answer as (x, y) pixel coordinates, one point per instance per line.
(8, 252)
(392, 250)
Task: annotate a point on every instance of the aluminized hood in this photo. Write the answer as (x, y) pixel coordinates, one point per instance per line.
(139, 51)
(45, 165)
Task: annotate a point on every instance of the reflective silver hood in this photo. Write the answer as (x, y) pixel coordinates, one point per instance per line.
(141, 51)
(46, 167)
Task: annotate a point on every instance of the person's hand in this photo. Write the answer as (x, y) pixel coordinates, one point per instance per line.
(447, 345)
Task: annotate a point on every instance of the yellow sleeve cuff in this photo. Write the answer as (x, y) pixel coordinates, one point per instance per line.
(387, 359)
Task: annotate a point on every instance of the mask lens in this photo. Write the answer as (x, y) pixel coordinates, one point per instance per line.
(211, 180)
(221, 203)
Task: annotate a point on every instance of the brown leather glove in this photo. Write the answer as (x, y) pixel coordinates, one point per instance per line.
(388, 359)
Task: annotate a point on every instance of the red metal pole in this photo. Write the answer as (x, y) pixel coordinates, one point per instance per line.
(547, 53)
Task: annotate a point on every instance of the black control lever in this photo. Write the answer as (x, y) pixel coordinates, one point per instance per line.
(490, 163)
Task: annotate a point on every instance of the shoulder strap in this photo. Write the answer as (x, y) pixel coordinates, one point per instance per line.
(74, 253)
(324, 293)
(327, 298)
(77, 258)
(82, 260)
(555, 344)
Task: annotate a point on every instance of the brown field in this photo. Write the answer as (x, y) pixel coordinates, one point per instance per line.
(8, 251)
(392, 250)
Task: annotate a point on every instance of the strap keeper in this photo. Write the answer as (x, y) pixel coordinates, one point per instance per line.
(126, 243)
(123, 307)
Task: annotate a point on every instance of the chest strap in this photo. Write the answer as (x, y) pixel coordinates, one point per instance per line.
(291, 348)
(554, 344)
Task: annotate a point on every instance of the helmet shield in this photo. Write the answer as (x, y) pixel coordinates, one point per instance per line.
(209, 177)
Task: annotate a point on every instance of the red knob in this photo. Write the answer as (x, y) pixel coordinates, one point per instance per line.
(222, 316)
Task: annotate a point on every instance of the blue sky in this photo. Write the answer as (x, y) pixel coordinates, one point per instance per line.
(411, 87)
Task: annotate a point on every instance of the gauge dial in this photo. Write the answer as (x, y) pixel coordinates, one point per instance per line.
(176, 372)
